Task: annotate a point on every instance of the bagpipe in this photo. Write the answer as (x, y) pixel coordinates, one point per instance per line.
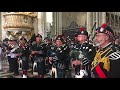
(54, 65)
(58, 54)
(53, 54)
(32, 39)
(94, 26)
(82, 73)
(80, 55)
(12, 48)
(36, 59)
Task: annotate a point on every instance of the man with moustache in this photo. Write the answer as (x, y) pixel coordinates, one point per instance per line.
(107, 59)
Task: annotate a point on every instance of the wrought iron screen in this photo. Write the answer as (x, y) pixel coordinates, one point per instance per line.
(71, 29)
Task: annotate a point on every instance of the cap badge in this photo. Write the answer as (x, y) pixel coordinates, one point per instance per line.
(102, 29)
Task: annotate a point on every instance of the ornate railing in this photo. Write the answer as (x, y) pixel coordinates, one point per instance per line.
(71, 29)
(18, 20)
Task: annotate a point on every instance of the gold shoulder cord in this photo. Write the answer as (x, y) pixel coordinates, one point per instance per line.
(104, 60)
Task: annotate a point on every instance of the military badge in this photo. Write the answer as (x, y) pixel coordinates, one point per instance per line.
(102, 29)
(82, 32)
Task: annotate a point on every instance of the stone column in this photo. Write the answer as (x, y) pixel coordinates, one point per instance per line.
(0, 26)
(41, 23)
(35, 24)
(89, 21)
(118, 21)
(97, 19)
(103, 17)
(3, 33)
(94, 17)
(60, 23)
(57, 23)
(93, 22)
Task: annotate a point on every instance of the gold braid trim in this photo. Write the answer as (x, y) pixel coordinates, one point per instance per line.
(105, 60)
(96, 59)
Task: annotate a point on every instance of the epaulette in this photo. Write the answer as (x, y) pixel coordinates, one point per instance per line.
(114, 55)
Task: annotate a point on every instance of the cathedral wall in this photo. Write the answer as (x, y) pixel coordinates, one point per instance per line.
(69, 17)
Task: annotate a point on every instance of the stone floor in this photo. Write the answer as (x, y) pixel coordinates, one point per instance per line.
(5, 74)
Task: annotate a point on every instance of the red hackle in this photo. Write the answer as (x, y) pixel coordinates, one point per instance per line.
(82, 29)
(104, 25)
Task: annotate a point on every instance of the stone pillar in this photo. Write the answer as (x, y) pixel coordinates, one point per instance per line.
(60, 23)
(118, 19)
(100, 18)
(3, 32)
(41, 23)
(94, 20)
(35, 24)
(103, 17)
(89, 21)
(94, 17)
(0, 26)
(97, 19)
(57, 23)
(110, 19)
(44, 24)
